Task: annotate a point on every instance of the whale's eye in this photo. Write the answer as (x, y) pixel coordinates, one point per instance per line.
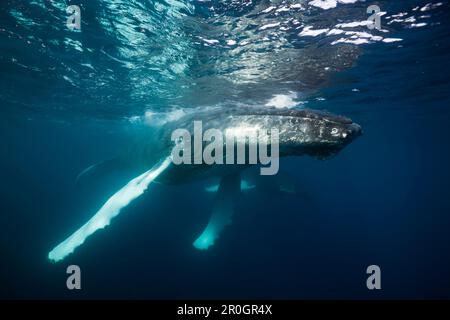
(334, 131)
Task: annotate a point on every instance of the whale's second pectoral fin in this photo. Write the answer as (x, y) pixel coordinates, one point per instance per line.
(226, 197)
(100, 169)
(245, 186)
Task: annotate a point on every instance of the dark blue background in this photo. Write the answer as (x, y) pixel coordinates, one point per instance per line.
(383, 200)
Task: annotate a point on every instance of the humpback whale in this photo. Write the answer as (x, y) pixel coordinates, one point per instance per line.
(301, 132)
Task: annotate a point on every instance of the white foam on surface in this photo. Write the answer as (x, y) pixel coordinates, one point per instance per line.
(269, 25)
(354, 24)
(281, 101)
(389, 40)
(329, 4)
(308, 31)
(323, 4)
(268, 9)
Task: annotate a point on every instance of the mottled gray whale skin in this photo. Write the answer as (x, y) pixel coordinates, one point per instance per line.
(301, 132)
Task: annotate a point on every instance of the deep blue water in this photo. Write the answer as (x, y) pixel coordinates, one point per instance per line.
(73, 98)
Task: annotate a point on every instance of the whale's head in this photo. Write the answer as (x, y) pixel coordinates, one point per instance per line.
(315, 133)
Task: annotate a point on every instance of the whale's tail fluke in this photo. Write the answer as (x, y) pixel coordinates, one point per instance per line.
(109, 210)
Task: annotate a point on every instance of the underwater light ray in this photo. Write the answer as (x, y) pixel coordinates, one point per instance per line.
(109, 210)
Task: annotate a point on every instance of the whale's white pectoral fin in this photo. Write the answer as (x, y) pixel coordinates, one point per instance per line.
(245, 186)
(228, 192)
(212, 188)
(109, 210)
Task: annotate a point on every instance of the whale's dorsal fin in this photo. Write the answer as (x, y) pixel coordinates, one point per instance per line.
(226, 197)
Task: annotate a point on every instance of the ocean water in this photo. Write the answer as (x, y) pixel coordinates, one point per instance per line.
(74, 97)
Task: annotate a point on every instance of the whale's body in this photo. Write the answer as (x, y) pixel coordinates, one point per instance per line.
(301, 132)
